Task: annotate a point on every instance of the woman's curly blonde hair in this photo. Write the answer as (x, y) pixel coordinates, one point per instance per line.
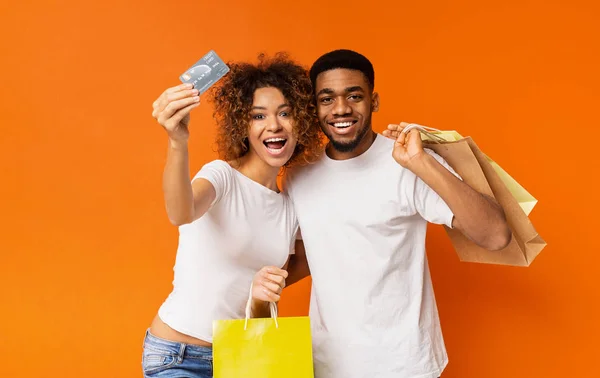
(233, 99)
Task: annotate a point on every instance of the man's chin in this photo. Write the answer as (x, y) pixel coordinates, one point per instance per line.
(344, 145)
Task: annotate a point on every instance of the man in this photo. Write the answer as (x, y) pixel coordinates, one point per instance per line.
(363, 211)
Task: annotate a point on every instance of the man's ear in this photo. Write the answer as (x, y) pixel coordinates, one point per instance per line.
(375, 101)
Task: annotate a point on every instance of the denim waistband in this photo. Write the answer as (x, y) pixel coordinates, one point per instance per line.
(175, 348)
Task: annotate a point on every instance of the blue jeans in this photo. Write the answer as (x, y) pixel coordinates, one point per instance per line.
(170, 359)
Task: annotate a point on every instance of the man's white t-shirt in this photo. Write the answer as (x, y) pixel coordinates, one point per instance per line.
(247, 227)
(363, 222)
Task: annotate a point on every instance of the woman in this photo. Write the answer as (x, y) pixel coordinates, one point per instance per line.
(236, 228)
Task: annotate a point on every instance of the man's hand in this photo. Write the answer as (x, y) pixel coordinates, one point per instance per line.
(407, 147)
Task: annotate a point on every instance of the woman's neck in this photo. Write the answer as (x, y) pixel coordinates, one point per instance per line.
(256, 169)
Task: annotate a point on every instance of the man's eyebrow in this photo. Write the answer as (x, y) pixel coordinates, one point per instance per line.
(325, 91)
(356, 88)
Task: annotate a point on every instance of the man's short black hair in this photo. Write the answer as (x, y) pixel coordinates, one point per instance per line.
(343, 59)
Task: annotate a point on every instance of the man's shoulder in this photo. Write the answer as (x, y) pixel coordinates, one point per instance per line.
(383, 148)
(385, 142)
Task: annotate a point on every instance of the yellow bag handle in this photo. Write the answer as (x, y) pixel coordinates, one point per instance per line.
(429, 131)
(272, 307)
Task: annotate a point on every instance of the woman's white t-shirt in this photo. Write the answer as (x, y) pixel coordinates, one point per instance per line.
(247, 227)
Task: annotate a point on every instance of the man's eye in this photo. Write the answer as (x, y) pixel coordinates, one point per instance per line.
(355, 97)
(326, 100)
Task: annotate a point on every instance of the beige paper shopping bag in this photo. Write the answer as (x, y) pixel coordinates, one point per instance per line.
(476, 169)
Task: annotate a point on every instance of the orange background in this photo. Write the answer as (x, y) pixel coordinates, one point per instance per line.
(86, 247)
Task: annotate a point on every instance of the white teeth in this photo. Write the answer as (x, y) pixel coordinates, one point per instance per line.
(274, 140)
(342, 124)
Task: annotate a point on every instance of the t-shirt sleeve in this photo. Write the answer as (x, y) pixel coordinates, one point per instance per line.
(219, 174)
(428, 203)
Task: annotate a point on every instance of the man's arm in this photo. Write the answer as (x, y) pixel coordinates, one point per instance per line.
(298, 265)
(478, 217)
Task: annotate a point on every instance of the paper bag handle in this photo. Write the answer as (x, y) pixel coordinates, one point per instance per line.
(272, 307)
(429, 131)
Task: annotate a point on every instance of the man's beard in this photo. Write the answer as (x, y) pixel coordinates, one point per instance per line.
(349, 145)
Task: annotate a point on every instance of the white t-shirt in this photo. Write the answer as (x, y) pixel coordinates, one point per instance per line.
(363, 222)
(247, 227)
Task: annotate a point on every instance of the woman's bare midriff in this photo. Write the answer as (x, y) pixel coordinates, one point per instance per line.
(162, 330)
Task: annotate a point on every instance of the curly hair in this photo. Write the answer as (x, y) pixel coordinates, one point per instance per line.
(233, 99)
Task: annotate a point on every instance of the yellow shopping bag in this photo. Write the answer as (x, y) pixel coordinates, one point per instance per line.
(262, 348)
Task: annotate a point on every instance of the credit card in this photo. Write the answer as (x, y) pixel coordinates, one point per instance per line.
(207, 71)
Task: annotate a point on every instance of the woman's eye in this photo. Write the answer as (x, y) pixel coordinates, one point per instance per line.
(258, 116)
